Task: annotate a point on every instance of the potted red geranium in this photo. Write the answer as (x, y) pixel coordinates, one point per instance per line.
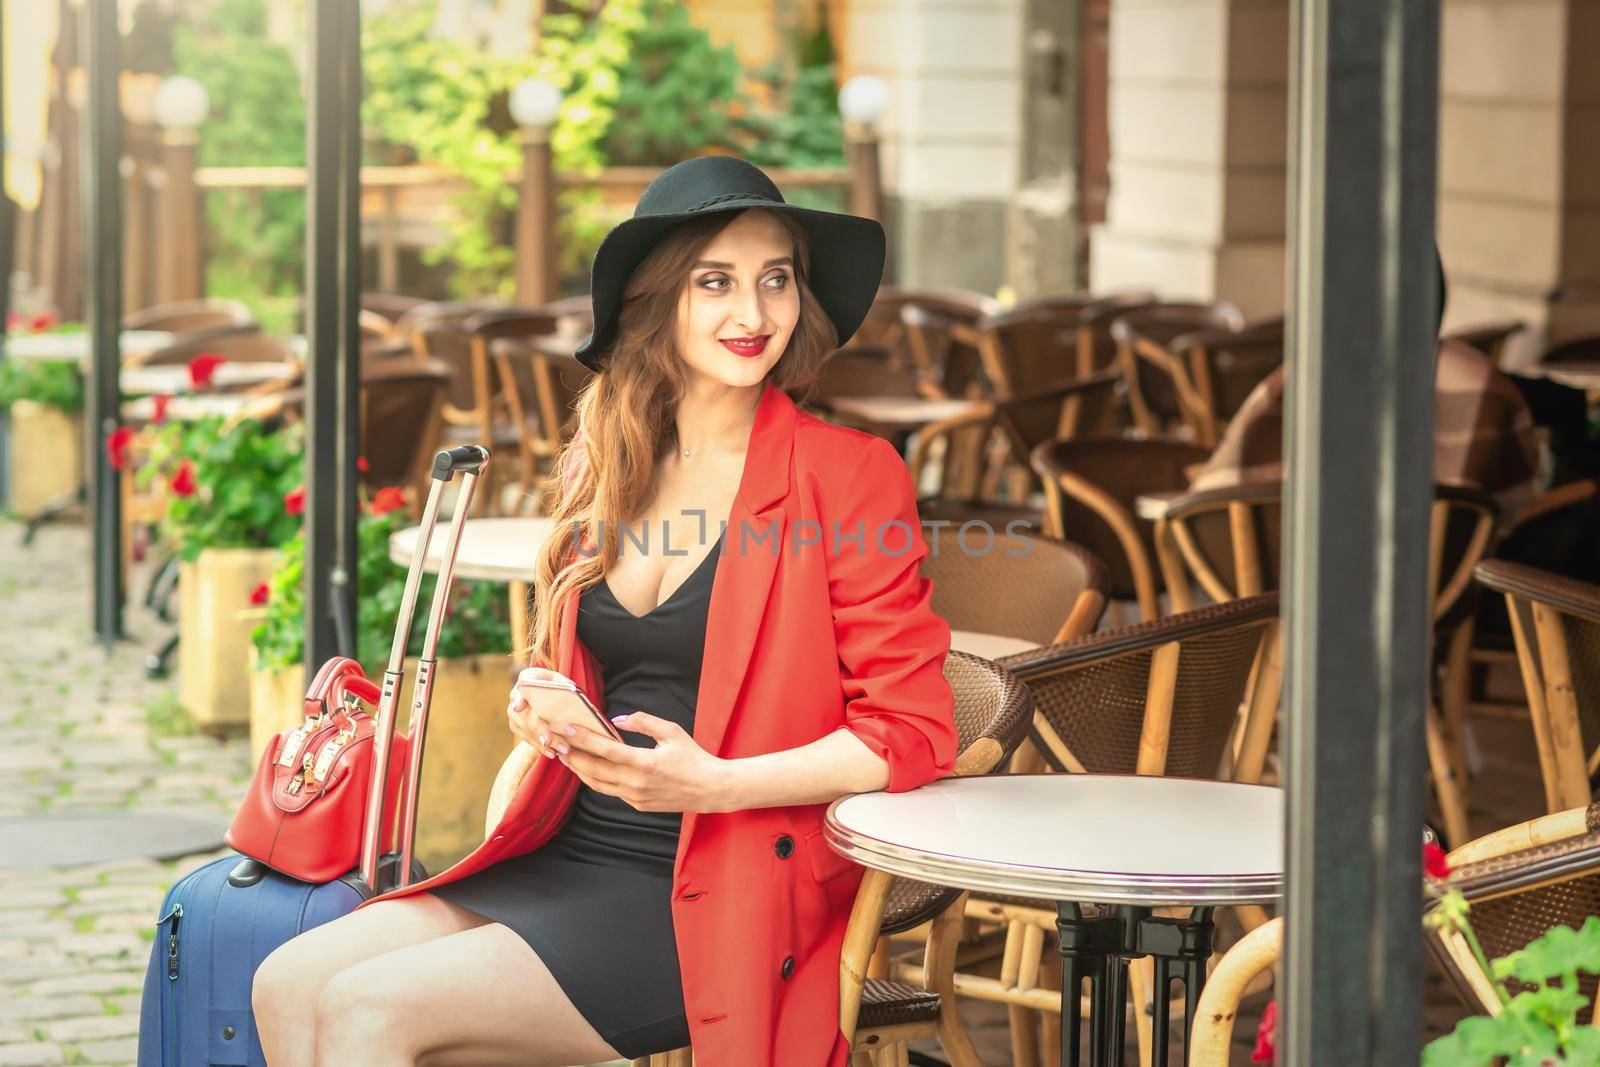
(223, 487)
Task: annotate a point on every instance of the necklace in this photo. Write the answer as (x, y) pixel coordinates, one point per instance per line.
(685, 452)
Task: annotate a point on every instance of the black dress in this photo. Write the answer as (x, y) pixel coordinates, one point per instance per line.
(594, 901)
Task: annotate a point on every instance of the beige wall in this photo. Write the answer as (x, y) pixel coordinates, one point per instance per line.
(1198, 123)
(950, 138)
(1519, 166)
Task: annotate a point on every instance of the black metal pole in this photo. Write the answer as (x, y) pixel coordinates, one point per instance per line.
(1360, 446)
(103, 208)
(333, 368)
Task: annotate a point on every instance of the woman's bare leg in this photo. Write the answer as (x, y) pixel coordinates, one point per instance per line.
(289, 982)
(481, 997)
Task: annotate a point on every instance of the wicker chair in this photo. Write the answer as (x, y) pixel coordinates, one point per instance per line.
(884, 327)
(541, 391)
(402, 402)
(943, 346)
(882, 1016)
(1031, 359)
(1091, 486)
(193, 317)
(438, 331)
(496, 420)
(251, 347)
(1158, 698)
(389, 306)
(1229, 540)
(1222, 368)
(1521, 882)
(1030, 587)
(1555, 622)
(1161, 390)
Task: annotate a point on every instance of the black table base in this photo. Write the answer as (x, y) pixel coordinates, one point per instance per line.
(1098, 947)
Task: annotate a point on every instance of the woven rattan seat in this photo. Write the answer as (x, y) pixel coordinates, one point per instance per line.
(889, 1003)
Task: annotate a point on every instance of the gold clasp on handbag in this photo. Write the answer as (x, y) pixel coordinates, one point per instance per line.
(330, 752)
(296, 738)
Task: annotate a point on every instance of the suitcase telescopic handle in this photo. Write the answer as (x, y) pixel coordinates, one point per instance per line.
(461, 458)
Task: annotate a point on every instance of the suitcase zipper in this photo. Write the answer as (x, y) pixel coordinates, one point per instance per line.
(169, 992)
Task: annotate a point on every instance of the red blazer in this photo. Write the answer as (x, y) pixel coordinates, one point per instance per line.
(810, 628)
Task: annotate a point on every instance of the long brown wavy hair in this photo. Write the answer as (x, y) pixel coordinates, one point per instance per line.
(625, 416)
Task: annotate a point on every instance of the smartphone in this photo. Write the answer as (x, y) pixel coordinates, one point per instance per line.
(579, 709)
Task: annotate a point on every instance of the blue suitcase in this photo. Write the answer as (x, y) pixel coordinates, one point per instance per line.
(210, 938)
(221, 920)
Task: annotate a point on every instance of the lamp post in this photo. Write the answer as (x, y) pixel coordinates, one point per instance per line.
(179, 107)
(534, 105)
(862, 101)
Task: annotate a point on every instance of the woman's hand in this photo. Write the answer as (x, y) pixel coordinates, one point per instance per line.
(676, 775)
(523, 713)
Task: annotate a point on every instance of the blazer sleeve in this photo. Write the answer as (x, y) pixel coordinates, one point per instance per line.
(892, 645)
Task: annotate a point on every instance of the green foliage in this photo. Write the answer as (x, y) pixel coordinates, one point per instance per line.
(1538, 1025)
(53, 384)
(255, 238)
(477, 618)
(447, 103)
(242, 474)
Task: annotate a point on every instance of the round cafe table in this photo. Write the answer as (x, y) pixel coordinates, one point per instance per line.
(492, 550)
(1131, 843)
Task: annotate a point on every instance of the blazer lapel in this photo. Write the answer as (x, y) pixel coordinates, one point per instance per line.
(755, 537)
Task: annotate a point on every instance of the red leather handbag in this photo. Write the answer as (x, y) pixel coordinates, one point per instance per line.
(303, 812)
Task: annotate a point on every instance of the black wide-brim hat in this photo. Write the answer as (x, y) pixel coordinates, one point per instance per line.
(847, 251)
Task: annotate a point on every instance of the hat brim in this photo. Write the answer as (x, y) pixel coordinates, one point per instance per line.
(847, 258)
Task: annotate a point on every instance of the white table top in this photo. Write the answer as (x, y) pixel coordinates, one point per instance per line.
(989, 646)
(199, 406)
(1153, 506)
(1094, 838)
(174, 379)
(494, 550)
(74, 347)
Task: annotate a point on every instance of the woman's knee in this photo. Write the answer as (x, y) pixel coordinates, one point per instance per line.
(280, 989)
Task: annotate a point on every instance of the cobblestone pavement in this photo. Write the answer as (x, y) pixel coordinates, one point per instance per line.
(76, 732)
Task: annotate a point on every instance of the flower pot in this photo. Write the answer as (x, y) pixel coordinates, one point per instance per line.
(45, 457)
(213, 639)
(467, 742)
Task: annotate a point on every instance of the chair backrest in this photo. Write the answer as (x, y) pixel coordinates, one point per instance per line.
(390, 306)
(1091, 485)
(993, 711)
(1025, 585)
(943, 346)
(1230, 541)
(863, 370)
(1555, 621)
(1224, 366)
(438, 331)
(1517, 897)
(401, 423)
(1161, 697)
(191, 316)
(1026, 352)
(1161, 390)
(1489, 338)
(251, 347)
(884, 328)
(541, 390)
